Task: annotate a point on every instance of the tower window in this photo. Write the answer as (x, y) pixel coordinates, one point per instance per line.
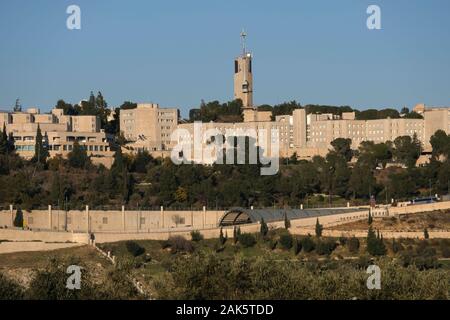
(236, 66)
(250, 66)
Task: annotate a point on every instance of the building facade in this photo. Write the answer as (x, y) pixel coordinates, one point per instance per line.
(59, 133)
(148, 127)
(151, 128)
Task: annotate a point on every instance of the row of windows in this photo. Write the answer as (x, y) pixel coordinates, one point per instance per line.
(69, 147)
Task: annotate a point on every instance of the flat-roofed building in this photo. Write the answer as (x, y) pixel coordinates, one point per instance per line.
(58, 133)
(148, 127)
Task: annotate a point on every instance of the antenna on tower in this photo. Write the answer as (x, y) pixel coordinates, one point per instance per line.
(243, 36)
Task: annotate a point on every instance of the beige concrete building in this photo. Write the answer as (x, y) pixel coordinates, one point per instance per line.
(59, 133)
(148, 127)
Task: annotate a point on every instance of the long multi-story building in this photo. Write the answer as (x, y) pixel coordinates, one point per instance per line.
(149, 127)
(59, 133)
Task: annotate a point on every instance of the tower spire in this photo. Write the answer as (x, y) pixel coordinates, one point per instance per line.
(243, 36)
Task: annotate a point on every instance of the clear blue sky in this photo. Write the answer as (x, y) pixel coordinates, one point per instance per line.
(176, 53)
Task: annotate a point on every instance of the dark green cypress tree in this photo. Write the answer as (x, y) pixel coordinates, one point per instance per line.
(287, 223)
(319, 229)
(264, 228)
(18, 220)
(3, 141)
(426, 235)
(40, 151)
(222, 239)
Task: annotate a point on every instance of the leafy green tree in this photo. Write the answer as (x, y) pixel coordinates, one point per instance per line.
(440, 142)
(343, 148)
(370, 219)
(67, 108)
(141, 161)
(362, 182)
(407, 150)
(78, 157)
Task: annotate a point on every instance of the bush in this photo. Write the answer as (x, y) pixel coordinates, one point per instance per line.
(421, 259)
(180, 244)
(445, 248)
(343, 240)
(247, 240)
(196, 236)
(325, 247)
(10, 290)
(272, 244)
(135, 249)
(308, 244)
(286, 240)
(396, 246)
(353, 245)
(297, 246)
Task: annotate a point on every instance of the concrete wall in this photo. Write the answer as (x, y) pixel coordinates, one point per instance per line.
(112, 221)
(43, 236)
(111, 226)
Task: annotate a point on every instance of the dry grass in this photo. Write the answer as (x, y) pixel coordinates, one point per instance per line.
(436, 220)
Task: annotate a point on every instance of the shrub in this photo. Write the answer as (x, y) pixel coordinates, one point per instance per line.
(325, 247)
(297, 246)
(135, 249)
(353, 245)
(222, 238)
(10, 290)
(308, 244)
(396, 246)
(286, 240)
(375, 243)
(287, 222)
(264, 229)
(422, 259)
(247, 240)
(180, 244)
(445, 248)
(272, 244)
(343, 240)
(196, 236)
